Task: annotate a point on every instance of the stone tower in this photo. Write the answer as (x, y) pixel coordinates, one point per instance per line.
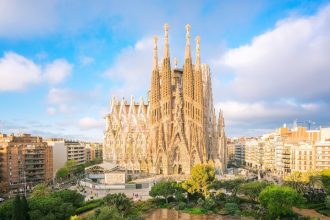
(177, 128)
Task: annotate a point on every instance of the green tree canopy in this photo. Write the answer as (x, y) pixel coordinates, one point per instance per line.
(231, 186)
(17, 209)
(164, 189)
(120, 201)
(62, 173)
(40, 190)
(252, 189)
(106, 213)
(325, 178)
(70, 196)
(201, 178)
(279, 200)
(25, 208)
(71, 165)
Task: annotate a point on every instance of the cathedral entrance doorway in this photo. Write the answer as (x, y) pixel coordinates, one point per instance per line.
(180, 169)
(177, 169)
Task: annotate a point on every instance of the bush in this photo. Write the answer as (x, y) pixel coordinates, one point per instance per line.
(327, 202)
(232, 199)
(107, 212)
(232, 209)
(89, 206)
(196, 210)
(163, 189)
(120, 201)
(181, 206)
(208, 204)
(279, 200)
(252, 189)
(143, 206)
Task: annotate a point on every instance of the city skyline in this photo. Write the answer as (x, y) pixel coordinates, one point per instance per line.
(269, 65)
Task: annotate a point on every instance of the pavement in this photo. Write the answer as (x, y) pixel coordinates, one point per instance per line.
(135, 194)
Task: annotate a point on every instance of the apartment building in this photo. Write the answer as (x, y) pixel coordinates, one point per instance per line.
(93, 151)
(75, 151)
(231, 150)
(25, 161)
(322, 155)
(303, 156)
(240, 152)
(286, 151)
(64, 150)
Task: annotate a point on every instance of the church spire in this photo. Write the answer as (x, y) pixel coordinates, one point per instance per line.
(187, 51)
(188, 78)
(166, 46)
(155, 86)
(198, 52)
(155, 55)
(166, 86)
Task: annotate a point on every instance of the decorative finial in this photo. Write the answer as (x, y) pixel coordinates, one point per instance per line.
(175, 63)
(188, 33)
(198, 40)
(155, 38)
(166, 31)
(166, 27)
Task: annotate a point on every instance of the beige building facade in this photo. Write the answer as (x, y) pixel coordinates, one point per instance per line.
(25, 161)
(286, 151)
(176, 127)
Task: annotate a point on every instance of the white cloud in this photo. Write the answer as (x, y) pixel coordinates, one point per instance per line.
(61, 100)
(292, 60)
(87, 123)
(132, 69)
(18, 72)
(241, 112)
(64, 100)
(57, 71)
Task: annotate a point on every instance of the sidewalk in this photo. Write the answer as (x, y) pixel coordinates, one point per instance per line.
(310, 213)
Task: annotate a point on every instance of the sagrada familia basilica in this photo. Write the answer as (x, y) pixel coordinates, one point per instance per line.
(176, 127)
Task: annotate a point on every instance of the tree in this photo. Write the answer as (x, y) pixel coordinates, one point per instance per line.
(201, 178)
(325, 178)
(297, 181)
(120, 201)
(232, 208)
(70, 165)
(80, 169)
(25, 208)
(252, 189)
(6, 209)
(17, 209)
(279, 200)
(231, 186)
(70, 196)
(107, 212)
(164, 189)
(62, 173)
(40, 190)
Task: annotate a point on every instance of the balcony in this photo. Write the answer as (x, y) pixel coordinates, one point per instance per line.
(35, 173)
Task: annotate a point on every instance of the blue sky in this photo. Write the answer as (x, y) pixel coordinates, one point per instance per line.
(61, 61)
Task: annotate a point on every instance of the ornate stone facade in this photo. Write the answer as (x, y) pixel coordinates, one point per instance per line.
(176, 128)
